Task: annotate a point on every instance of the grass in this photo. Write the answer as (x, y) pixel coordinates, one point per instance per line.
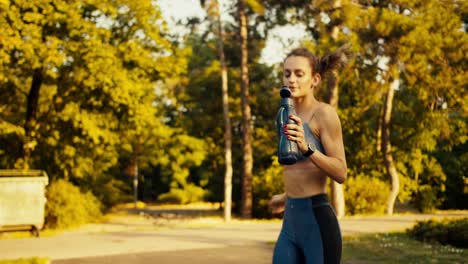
(398, 248)
(26, 261)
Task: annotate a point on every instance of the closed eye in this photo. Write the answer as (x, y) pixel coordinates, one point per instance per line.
(299, 73)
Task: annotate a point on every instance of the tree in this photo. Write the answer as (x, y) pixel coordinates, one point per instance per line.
(387, 145)
(247, 165)
(411, 70)
(80, 79)
(215, 18)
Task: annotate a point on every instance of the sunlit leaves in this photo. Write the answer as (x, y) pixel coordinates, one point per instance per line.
(100, 62)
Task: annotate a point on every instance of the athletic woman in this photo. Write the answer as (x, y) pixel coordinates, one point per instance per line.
(310, 231)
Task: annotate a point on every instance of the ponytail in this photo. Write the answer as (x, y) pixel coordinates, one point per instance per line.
(334, 61)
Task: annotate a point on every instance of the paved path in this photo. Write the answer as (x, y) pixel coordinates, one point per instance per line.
(136, 240)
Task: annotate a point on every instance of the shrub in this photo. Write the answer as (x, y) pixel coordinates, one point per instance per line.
(190, 194)
(425, 199)
(67, 206)
(365, 195)
(113, 192)
(452, 232)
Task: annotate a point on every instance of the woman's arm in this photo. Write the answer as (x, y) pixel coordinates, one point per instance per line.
(333, 163)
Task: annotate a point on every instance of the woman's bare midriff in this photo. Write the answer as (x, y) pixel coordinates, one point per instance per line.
(304, 179)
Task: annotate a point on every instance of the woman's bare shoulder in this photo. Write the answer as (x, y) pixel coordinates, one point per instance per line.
(327, 117)
(326, 111)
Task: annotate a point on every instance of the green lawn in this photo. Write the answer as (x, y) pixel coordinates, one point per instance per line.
(398, 248)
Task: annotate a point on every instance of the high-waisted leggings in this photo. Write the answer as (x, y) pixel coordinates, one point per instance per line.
(310, 233)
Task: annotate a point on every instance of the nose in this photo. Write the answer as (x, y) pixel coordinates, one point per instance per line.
(291, 78)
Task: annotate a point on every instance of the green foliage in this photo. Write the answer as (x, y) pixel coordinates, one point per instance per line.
(426, 199)
(265, 185)
(101, 69)
(365, 195)
(190, 194)
(95, 78)
(67, 206)
(455, 166)
(113, 192)
(447, 232)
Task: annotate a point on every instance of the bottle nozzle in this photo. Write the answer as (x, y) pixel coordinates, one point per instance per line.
(285, 92)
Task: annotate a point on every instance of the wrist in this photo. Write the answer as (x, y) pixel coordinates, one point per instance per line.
(304, 148)
(310, 150)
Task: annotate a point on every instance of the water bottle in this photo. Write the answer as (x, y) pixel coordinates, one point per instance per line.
(288, 152)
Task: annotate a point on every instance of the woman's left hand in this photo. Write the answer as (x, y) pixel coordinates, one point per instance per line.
(295, 132)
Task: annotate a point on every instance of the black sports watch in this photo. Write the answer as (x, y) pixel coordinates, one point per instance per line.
(310, 150)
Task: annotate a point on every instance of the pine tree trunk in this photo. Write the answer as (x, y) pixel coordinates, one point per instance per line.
(246, 203)
(216, 19)
(31, 117)
(387, 147)
(337, 193)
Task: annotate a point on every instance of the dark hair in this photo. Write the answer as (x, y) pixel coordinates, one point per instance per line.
(332, 61)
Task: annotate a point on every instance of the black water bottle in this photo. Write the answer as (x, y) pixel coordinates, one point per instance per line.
(288, 152)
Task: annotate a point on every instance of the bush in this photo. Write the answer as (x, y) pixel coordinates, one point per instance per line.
(113, 192)
(425, 199)
(190, 194)
(365, 195)
(67, 206)
(452, 232)
(265, 185)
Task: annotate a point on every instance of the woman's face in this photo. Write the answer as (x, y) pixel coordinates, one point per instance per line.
(297, 75)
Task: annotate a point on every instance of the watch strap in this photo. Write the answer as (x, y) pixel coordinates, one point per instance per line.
(309, 151)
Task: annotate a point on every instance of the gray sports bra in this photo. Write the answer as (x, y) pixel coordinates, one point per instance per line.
(311, 139)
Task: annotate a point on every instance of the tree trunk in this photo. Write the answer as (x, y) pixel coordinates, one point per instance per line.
(246, 204)
(215, 17)
(337, 193)
(387, 147)
(379, 130)
(31, 117)
(135, 185)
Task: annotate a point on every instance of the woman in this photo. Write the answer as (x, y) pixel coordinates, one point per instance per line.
(310, 232)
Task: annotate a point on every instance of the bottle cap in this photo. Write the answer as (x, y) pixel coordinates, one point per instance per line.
(285, 92)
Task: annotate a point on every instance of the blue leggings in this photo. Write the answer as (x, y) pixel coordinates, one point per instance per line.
(310, 233)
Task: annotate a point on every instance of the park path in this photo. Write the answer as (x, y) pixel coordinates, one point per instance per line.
(143, 239)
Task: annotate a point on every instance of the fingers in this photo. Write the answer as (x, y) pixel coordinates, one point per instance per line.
(300, 141)
(295, 132)
(296, 119)
(277, 210)
(297, 126)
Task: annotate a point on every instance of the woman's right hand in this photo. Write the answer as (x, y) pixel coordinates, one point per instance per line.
(277, 203)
